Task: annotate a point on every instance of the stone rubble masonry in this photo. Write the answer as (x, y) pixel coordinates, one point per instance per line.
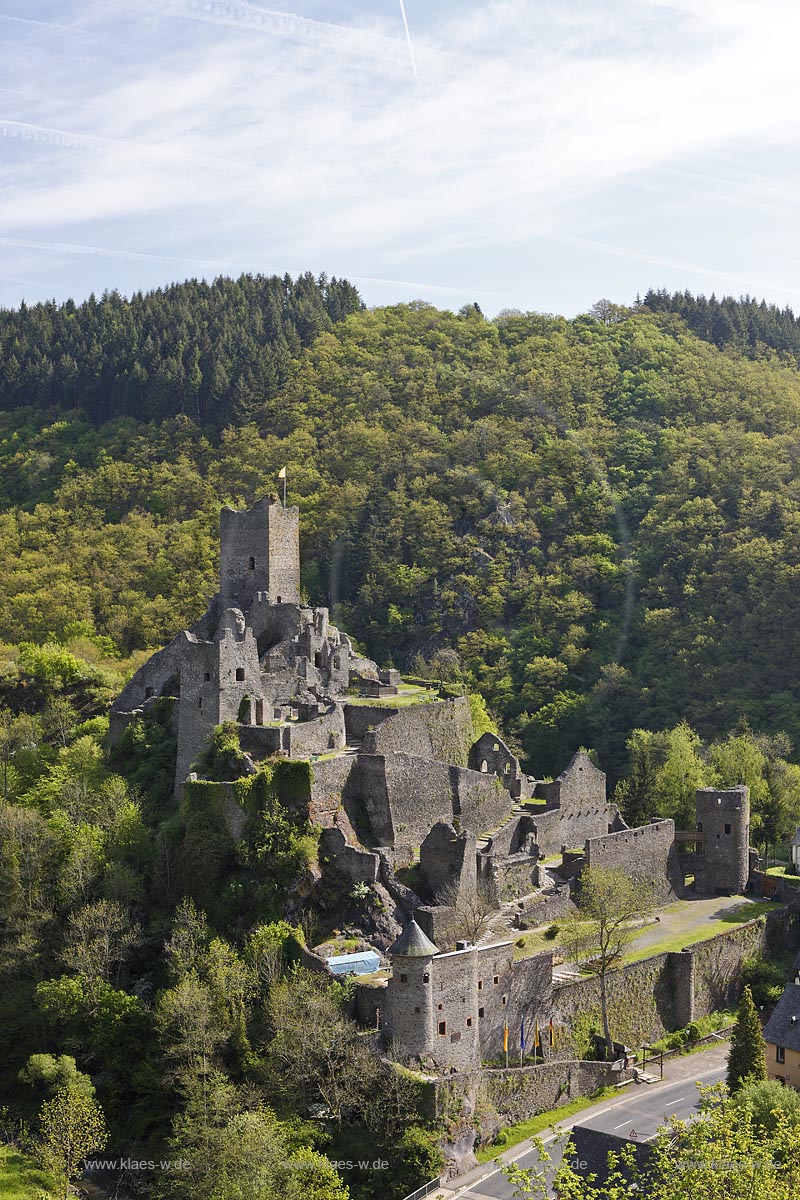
(260, 552)
(575, 808)
(646, 999)
(492, 756)
(447, 859)
(256, 654)
(396, 798)
(354, 864)
(440, 730)
(647, 855)
(553, 904)
(518, 1093)
(724, 819)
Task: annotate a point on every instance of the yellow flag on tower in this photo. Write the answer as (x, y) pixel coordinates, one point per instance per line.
(505, 1038)
(282, 473)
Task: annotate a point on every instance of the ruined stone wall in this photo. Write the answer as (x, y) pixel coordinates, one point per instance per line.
(513, 875)
(650, 998)
(441, 730)
(360, 718)
(330, 780)
(447, 860)
(717, 964)
(351, 863)
(435, 921)
(198, 708)
(555, 827)
(641, 998)
(369, 1004)
(579, 786)
(320, 735)
(511, 837)
(546, 906)
(396, 798)
(646, 854)
(492, 756)
(153, 678)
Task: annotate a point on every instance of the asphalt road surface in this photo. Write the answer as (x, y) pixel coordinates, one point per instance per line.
(640, 1113)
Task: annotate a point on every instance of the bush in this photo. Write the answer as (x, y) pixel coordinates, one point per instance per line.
(551, 932)
(764, 978)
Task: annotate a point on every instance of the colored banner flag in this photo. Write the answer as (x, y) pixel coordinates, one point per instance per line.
(537, 1041)
(552, 1034)
(522, 1036)
(505, 1038)
(282, 473)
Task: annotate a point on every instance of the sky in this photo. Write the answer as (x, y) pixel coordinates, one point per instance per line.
(530, 154)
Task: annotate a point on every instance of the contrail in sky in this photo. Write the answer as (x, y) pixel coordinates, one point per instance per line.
(408, 39)
(100, 251)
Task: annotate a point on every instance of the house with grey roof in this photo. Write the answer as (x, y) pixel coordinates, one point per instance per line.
(782, 1037)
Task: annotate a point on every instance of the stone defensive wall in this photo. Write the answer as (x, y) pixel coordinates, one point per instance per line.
(300, 739)
(518, 1093)
(440, 730)
(646, 854)
(556, 827)
(657, 995)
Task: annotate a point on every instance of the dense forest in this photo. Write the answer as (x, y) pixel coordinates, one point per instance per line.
(595, 523)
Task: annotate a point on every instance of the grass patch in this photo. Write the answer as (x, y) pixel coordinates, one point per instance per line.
(407, 695)
(512, 1135)
(20, 1178)
(739, 916)
(530, 943)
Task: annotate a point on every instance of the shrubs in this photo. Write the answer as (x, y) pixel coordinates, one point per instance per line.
(551, 932)
(764, 978)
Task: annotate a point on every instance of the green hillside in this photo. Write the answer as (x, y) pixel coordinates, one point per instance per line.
(595, 524)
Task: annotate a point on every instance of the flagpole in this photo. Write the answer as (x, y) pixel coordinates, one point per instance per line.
(284, 488)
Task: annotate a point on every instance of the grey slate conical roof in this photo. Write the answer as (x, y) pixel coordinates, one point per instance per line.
(413, 943)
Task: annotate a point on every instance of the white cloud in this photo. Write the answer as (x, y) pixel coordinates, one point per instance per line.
(223, 125)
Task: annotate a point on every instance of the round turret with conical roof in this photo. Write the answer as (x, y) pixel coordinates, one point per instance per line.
(409, 1022)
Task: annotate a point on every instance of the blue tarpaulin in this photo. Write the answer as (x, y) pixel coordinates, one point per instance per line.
(355, 964)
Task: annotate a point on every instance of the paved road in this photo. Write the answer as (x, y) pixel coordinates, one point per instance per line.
(642, 1111)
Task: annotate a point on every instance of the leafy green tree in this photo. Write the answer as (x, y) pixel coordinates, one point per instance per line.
(767, 1102)
(49, 1073)
(746, 1058)
(724, 1156)
(72, 1126)
(610, 906)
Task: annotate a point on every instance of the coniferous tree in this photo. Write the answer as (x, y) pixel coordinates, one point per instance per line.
(746, 1060)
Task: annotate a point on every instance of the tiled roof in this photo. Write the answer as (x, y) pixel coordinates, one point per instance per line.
(783, 1027)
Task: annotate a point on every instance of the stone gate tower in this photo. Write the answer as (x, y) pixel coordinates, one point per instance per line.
(723, 817)
(259, 552)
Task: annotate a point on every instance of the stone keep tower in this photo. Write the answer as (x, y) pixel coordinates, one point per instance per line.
(259, 552)
(723, 817)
